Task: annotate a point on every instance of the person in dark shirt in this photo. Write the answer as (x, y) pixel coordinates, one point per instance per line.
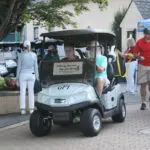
(70, 53)
(52, 54)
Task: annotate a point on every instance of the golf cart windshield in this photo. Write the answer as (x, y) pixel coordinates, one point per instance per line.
(81, 69)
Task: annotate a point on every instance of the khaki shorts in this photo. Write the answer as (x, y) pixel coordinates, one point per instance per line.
(143, 74)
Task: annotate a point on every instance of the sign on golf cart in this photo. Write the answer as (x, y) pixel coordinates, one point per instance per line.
(68, 68)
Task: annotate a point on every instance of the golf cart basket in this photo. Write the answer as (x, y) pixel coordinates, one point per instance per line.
(77, 71)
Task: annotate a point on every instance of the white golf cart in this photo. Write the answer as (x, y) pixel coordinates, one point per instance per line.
(69, 94)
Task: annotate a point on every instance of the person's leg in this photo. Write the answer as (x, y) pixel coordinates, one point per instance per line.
(99, 85)
(149, 85)
(127, 78)
(135, 76)
(143, 95)
(142, 79)
(23, 86)
(130, 77)
(31, 82)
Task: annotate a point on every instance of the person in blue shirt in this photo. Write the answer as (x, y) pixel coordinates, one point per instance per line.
(101, 67)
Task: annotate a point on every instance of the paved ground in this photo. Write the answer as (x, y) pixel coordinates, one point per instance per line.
(114, 136)
(133, 134)
(10, 119)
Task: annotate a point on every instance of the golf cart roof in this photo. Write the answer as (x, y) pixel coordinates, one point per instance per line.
(38, 44)
(49, 41)
(73, 32)
(77, 36)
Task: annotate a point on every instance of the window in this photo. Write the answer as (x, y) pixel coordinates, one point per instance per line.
(133, 33)
(36, 33)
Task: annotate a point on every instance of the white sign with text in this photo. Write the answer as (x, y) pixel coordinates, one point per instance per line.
(68, 68)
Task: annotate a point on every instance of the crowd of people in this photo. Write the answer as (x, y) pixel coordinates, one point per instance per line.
(136, 56)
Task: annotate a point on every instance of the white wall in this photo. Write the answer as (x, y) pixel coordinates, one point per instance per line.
(97, 18)
(30, 31)
(129, 23)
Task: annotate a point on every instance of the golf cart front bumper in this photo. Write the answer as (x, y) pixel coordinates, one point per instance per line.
(52, 109)
(63, 114)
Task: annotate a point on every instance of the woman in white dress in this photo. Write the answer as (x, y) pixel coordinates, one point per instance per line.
(131, 65)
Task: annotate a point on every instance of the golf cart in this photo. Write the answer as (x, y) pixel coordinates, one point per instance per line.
(69, 92)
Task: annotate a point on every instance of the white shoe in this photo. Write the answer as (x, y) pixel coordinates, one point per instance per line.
(23, 112)
(31, 111)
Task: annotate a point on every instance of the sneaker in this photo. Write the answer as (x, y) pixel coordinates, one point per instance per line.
(129, 93)
(23, 112)
(143, 106)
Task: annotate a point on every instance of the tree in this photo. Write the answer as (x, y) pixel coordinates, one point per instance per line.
(52, 13)
(116, 26)
(48, 12)
(10, 14)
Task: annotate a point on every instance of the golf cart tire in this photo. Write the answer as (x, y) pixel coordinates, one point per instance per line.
(37, 125)
(121, 115)
(87, 122)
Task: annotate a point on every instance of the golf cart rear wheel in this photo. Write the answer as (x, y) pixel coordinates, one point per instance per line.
(121, 115)
(40, 124)
(91, 122)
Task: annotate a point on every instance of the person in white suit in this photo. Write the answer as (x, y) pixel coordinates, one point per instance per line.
(131, 65)
(27, 72)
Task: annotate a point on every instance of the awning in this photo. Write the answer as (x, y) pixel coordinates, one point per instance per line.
(143, 24)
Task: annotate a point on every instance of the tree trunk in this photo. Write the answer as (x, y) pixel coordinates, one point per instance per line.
(4, 28)
(14, 12)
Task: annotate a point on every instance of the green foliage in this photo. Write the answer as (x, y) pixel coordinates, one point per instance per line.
(2, 82)
(116, 26)
(48, 13)
(52, 13)
(10, 14)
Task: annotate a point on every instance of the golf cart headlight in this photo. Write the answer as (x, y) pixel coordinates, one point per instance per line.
(79, 96)
(60, 101)
(42, 98)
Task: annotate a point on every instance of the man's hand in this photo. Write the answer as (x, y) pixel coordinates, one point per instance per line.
(140, 58)
(100, 69)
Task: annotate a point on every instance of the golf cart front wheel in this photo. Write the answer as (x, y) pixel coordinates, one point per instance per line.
(40, 124)
(91, 122)
(121, 115)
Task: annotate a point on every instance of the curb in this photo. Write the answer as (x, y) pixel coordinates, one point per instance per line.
(14, 125)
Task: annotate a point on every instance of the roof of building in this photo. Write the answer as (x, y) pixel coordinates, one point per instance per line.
(143, 7)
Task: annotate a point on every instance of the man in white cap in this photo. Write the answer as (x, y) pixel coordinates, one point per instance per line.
(101, 67)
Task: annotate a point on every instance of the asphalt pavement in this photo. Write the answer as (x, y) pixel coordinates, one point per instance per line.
(10, 119)
(133, 134)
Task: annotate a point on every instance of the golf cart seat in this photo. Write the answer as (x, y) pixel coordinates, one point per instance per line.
(110, 75)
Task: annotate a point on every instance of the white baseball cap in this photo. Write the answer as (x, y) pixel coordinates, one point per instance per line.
(92, 43)
(26, 43)
(51, 47)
